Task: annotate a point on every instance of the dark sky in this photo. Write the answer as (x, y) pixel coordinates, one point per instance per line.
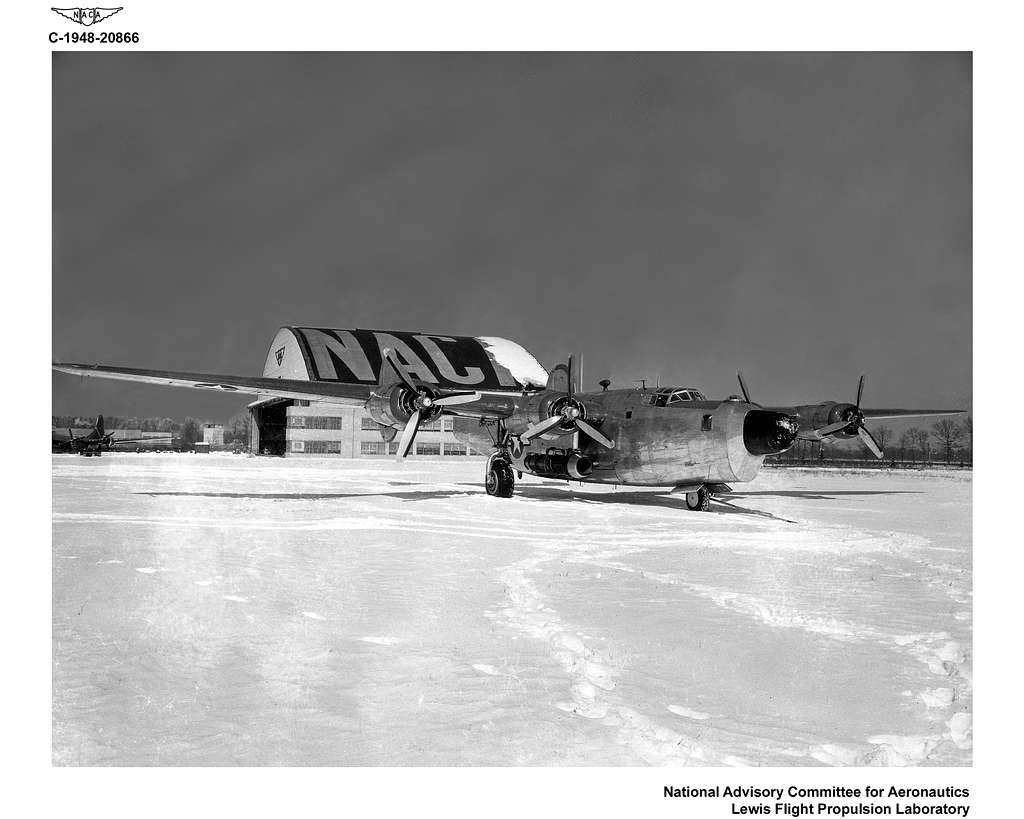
(802, 217)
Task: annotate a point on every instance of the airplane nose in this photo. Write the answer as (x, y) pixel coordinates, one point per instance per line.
(769, 433)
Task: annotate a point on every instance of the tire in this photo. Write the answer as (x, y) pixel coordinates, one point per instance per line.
(699, 501)
(499, 480)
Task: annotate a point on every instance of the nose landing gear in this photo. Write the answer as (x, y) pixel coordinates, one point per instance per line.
(699, 501)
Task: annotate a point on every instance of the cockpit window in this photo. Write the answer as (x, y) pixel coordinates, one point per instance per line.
(673, 395)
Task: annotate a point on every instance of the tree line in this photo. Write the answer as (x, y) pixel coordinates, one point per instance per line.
(945, 440)
(185, 433)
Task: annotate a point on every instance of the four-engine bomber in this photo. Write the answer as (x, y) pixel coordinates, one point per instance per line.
(533, 421)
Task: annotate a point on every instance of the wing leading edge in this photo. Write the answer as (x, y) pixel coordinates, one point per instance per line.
(327, 392)
(908, 413)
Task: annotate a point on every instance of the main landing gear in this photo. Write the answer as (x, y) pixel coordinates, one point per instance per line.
(499, 479)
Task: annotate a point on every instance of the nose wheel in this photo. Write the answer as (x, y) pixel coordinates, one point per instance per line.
(699, 501)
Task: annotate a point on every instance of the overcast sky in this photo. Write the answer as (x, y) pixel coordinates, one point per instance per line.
(802, 217)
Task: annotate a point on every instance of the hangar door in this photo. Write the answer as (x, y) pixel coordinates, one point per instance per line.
(268, 426)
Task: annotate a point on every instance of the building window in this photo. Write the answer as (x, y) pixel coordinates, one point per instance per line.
(298, 446)
(433, 425)
(320, 447)
(454, 449)
(392, 448)
(448, 423)
(368, 424)
(707, 423)
(314, 422)
(428, 449)
(371, 448)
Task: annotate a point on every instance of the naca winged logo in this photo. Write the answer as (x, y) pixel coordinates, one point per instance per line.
(86, 17)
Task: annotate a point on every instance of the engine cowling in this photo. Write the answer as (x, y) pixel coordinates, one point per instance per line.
(844, 412)
(393, 408)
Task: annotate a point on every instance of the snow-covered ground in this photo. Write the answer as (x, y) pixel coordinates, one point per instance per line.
(223, 609)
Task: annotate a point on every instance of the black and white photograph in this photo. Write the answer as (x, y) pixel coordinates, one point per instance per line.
(503, 410)
(467, 474)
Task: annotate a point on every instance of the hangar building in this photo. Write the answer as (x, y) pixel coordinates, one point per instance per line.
(296, 428)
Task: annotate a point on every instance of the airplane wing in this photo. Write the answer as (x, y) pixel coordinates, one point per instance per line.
(908, 413)
(330, 392)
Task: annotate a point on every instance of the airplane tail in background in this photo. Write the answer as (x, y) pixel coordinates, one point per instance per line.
(566, 377)
(558, 378)
(99, 426)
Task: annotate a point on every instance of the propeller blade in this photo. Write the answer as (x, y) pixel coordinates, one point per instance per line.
(389, 354)
(593, 433)
(860, 392)
(743, 387)
(409, 435)
(454, 398)
(571, 375)
(869, 441)
(828, 430)
(540, 428)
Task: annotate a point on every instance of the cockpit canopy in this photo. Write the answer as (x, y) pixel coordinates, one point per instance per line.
(664, 396)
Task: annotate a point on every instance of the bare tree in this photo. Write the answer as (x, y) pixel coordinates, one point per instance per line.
(948, 436)
(906, 444)
(883, 435)
(919, 441)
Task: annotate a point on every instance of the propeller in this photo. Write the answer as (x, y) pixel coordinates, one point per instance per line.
(743, 387)
(853, 421)
(424, 402)
(568, 413)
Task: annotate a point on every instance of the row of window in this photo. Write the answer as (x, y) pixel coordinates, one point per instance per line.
(314, 422)
(376, 448)
(366, 424)
(317, 447)
(425, 448)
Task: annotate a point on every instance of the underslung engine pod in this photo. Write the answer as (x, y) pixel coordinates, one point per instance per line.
(574, 465)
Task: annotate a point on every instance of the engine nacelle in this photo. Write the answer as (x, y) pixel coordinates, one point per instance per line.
(843, 412)
(575, 465)
(392, 409)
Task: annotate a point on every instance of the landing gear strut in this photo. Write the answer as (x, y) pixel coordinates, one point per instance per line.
(699, 501)
(499, 478)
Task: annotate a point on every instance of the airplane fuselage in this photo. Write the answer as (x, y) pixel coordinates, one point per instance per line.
(685, 443)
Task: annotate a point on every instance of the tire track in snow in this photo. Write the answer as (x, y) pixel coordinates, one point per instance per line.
(592, 682)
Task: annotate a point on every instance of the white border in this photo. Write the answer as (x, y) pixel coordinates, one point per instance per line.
(984, 28)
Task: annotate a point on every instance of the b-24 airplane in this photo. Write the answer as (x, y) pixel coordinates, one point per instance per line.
(534, 421)
(96, 442)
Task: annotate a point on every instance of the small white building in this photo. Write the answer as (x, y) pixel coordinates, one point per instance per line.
(213, 435)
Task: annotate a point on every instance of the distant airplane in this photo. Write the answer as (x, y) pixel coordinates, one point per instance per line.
(534, 421)
(95, 442)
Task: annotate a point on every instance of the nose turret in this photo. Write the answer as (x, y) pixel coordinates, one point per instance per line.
(769, 433)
